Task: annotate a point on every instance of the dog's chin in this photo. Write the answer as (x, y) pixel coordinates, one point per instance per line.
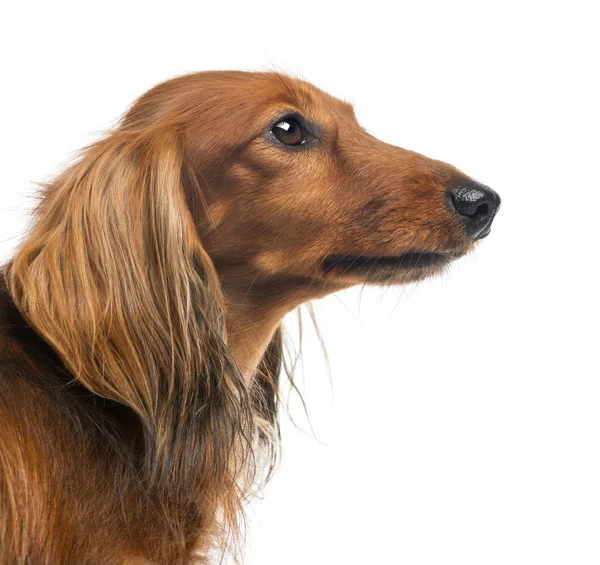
(400, 269)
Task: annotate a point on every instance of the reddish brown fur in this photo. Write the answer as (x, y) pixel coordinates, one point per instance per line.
(140, 317)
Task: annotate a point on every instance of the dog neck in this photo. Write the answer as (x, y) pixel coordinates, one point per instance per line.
(249, 332)
(255, 309)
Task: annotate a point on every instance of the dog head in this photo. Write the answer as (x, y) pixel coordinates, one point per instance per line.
(286, 186)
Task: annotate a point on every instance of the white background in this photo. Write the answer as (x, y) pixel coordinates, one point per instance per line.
(464, 422)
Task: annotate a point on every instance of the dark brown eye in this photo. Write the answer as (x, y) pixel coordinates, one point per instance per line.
(289, 132)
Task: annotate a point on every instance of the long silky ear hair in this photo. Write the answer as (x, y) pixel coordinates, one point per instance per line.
(265, 398)
(113, 276)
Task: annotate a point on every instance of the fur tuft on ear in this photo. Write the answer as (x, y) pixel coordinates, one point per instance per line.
(114, 278)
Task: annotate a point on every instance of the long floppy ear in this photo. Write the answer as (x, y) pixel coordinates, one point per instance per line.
(114, 278)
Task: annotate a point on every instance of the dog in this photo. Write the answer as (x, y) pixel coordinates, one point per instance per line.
(140, 317)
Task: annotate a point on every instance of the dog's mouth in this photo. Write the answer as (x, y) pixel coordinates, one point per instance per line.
(363, 264)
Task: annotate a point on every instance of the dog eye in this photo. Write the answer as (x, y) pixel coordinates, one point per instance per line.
(289, 132)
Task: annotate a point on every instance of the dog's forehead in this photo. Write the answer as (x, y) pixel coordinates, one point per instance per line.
(255, 99)
(260, 95)
(308, 99)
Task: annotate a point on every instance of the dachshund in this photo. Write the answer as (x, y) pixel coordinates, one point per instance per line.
(140, 317)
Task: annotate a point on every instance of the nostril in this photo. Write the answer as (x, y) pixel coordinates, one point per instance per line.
(482, 210)
(470, 201)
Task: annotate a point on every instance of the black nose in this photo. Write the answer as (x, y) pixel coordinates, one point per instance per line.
(476, 205)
